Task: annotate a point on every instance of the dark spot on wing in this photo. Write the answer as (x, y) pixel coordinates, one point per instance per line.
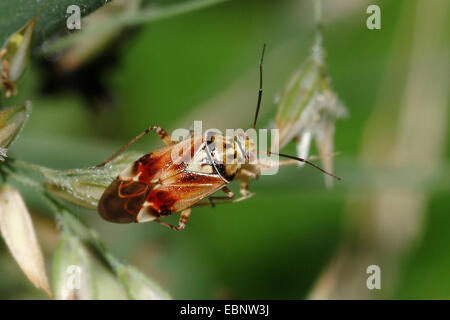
(188, 177)
(162, 201)
(178, 166)
(149, 167)
(144, 157)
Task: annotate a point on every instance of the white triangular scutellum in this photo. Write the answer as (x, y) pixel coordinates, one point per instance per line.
(18, 232)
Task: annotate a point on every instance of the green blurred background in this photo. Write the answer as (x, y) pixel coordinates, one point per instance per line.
(203, 65)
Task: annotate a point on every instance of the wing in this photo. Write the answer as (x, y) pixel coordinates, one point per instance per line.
(163, 163)
(122, 201)
(131, 201)
(181, 191)
(159, 184)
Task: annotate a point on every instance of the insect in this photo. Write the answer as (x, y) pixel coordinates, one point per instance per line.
(184, 175)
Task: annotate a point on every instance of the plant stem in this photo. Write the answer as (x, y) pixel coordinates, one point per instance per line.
(29, 165)
(318, 15)
(317, 50)
(23, 179)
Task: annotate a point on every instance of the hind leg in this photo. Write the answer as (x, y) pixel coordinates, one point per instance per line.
(184, 217)
(163, 135)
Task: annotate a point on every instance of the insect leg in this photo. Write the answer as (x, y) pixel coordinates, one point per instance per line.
(244, 185)
(244, 197)
(224, 201)
(244, 177)
(249, 173)
(171, 226)
(184, 217)
(229, 193)
(163, 135)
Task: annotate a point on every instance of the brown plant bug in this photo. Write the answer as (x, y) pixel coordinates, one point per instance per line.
(183, 175)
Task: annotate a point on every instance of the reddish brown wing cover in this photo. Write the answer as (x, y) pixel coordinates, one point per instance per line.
(162, 181)
(163, 163)
(116, 205)
(183, 190)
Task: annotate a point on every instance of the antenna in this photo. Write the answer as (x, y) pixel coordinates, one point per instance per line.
(258, 105)
(305, 161)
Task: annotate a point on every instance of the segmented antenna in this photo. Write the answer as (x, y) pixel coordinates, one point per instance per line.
(258, 105)
(305, 161)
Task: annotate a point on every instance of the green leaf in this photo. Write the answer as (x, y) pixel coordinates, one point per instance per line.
(15, 14)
